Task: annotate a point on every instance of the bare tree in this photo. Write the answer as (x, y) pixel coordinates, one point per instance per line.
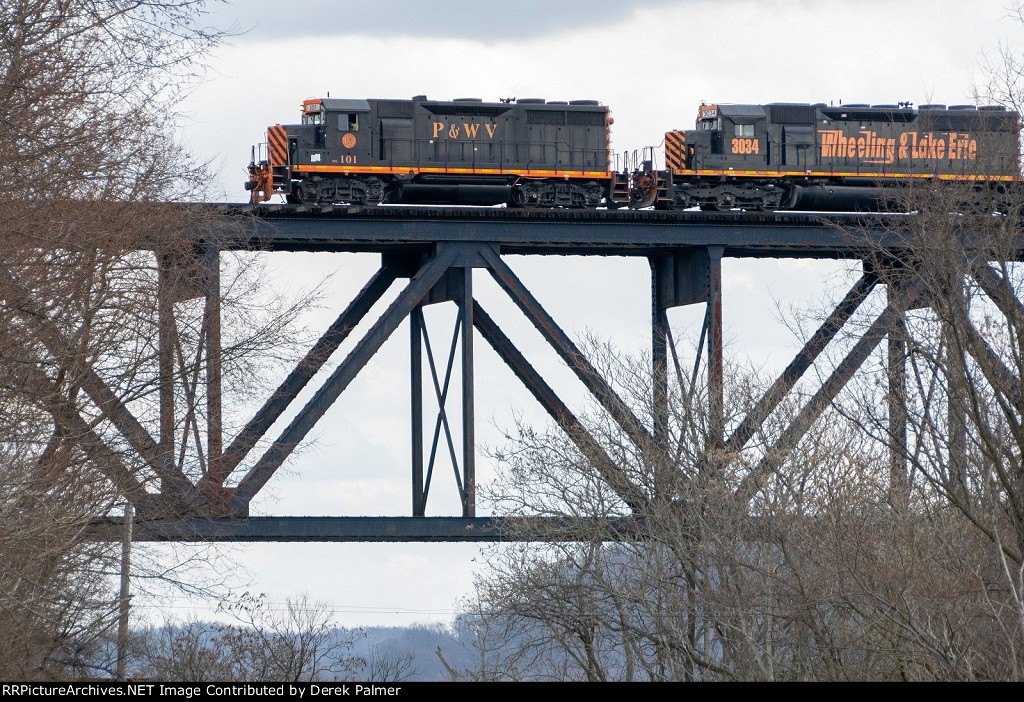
(298, 643)
(92, 180)
(886, 544)
(953, 433)
(816, 574)
(390, 664)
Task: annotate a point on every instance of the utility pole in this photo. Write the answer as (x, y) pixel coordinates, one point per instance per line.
(122, 624)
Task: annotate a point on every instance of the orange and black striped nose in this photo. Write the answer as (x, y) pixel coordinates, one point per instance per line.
(277, 145)
(675, 151)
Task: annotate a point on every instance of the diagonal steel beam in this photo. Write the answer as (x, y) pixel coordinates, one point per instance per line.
(190, 385)
(306, 419)
(565, 348)
(66, 415)
(803, 360)
(789, 438)
(563, 416)
(304, 371)
(999, 289)
(442, 414)
(111, 406)
(1002, 293)
(1001, 378)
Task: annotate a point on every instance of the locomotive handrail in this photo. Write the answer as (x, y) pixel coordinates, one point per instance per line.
(577, 158)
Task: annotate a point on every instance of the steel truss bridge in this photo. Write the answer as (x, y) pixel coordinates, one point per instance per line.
(437, 252)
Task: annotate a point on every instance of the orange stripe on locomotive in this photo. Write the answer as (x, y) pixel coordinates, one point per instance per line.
(277, 145)
(675, 151)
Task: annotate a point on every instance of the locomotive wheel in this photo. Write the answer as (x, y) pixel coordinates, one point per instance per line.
(307, 192)
(526, 195)
(718, 206)
(592, 194)
(722, 203)
(371, 192)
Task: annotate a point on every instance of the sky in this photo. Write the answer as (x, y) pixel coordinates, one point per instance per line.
(653, 64)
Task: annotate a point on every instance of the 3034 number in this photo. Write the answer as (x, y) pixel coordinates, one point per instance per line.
(745, 146)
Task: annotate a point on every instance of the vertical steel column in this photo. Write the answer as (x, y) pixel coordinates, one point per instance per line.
(659, 356)
(416, 392)
(659, 369)
(468, 427)
(897, 401)
(716, 390)
(165, 356)
(211, 320)
(785, 442)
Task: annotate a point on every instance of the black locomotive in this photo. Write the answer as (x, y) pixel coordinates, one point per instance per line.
(526, 152)
(822, 157)
(532, 153)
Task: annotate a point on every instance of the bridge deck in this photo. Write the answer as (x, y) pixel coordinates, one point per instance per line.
(566, 232)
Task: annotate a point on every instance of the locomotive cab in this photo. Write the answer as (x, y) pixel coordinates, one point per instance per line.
(332, 135)
(735, 136)
(726, 137)
(716, 166)
(332, 132)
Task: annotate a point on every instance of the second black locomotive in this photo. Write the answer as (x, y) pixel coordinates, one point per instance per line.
(829, 157)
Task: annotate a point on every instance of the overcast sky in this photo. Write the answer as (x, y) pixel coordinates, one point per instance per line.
(431, 19)
(652, 63)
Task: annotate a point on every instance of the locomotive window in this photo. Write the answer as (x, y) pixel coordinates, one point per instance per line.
(711, 125)
(316, 118)
(351, 120)
(744, 130)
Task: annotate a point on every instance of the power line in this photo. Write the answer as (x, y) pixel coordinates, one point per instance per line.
(332, 609)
